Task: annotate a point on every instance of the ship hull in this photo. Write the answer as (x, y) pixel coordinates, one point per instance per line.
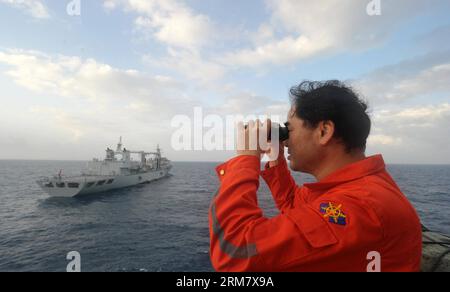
(93, 185)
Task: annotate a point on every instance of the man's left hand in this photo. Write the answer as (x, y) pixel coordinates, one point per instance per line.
(252, 138)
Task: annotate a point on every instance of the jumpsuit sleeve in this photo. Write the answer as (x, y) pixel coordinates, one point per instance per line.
(281, 184)
(242, 239)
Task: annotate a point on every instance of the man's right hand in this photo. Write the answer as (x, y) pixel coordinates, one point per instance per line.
(275, 158)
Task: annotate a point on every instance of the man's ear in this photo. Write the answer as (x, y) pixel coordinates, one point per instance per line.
(326, 129)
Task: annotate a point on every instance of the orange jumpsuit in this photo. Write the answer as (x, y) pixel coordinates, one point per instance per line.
(331, 225)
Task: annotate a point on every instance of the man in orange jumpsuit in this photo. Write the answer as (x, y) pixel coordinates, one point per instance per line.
(354, 218)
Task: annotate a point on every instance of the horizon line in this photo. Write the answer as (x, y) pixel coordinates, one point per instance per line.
(199, 161)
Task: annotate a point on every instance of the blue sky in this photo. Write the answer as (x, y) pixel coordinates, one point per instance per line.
(72, 84)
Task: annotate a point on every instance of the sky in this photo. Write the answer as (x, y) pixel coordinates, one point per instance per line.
(71, 83)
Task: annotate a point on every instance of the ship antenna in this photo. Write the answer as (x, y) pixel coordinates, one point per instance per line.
(119, 145)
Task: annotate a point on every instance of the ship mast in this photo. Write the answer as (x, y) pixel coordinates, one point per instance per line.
(158, 157)
(119, 145)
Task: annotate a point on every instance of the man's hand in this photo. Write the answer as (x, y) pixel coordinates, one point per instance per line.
(272, 153)
(252, 138)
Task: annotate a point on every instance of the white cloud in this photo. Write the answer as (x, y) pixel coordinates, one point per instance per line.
(84, 78)
(422, 76)
(296, 30)
(69, 124)
(184, 32)
(247, 103)
(89, 102)
(383, 140)
(277, 52)
(83, 102)
(169, 21)
(103, 102)
(33, 7)
(301, 29)
(426, 116)
(188, 63)
(416, 134)
(75, 131)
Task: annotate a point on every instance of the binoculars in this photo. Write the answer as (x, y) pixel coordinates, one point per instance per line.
(283, 133)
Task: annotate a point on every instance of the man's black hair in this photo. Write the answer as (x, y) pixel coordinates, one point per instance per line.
(316, 101)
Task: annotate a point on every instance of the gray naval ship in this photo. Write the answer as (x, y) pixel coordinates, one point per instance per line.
(117, 170)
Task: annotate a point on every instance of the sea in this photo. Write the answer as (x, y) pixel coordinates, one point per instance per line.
(157, 227)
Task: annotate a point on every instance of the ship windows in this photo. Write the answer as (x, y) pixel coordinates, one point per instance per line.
(90, 184)
(49, 185)
(60, 185)
(109, 181)
(101, 182)
(73, 185)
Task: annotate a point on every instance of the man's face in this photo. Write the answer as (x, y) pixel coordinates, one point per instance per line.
(303, 150)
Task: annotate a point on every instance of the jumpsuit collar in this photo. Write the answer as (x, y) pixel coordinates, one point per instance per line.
(359, 169)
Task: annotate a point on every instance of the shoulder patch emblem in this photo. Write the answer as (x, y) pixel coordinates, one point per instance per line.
(333, 213)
